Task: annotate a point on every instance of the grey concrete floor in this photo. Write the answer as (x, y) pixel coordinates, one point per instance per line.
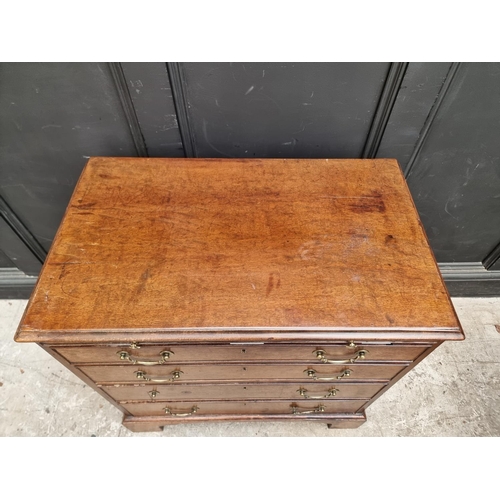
(455, 391)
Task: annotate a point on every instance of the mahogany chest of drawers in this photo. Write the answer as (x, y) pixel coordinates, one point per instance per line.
(199, 289)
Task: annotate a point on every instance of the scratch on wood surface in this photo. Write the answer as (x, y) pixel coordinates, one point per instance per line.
(142, 282)
(373, 203)
(314, 249)
(271, 284)
(83, 206)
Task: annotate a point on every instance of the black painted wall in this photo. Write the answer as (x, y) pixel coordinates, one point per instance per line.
(440, 120)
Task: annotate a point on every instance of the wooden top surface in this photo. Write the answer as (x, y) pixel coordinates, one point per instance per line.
(193, 248)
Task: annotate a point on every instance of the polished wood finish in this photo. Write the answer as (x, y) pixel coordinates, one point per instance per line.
(348, 421)
(174, 245)
(333, 420)
(242, 407)
(211, 353)
(240, 391)
(227, 372)
(241, 270)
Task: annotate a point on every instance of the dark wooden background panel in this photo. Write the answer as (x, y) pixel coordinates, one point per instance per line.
(151, 95)
(53, 117)
(5, 261)
(417, 95)
(492, 260)
(306, 110)
(455, 179)
(496, 265)
(17, 251)
(440, 120)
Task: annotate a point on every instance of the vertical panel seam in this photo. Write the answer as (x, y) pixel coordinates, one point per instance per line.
(491, 259)
(424, 133)
(177, 84)
(384, 108)
(128, 108)
(21, 231)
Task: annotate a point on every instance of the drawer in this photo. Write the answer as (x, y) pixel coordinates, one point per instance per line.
(188, 408)
(207, 353)
(179, 373)
(192, 392)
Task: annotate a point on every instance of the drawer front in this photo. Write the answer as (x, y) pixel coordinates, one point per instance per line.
(191, 392)
(166, 374)
(242, 353)
(189, 408)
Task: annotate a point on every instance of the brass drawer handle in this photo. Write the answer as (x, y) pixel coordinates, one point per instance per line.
(312, 374)
(126, 356)
(318, 409)
(330, 394)
(141, 375)
(168, 411)
(320, 354)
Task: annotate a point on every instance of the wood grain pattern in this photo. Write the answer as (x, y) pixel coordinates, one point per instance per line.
(347, 421)
(242, 407)
(241, 269)
(334, 421)
(246, 391)
(214, 353)
(162, 246)
(235, 372)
